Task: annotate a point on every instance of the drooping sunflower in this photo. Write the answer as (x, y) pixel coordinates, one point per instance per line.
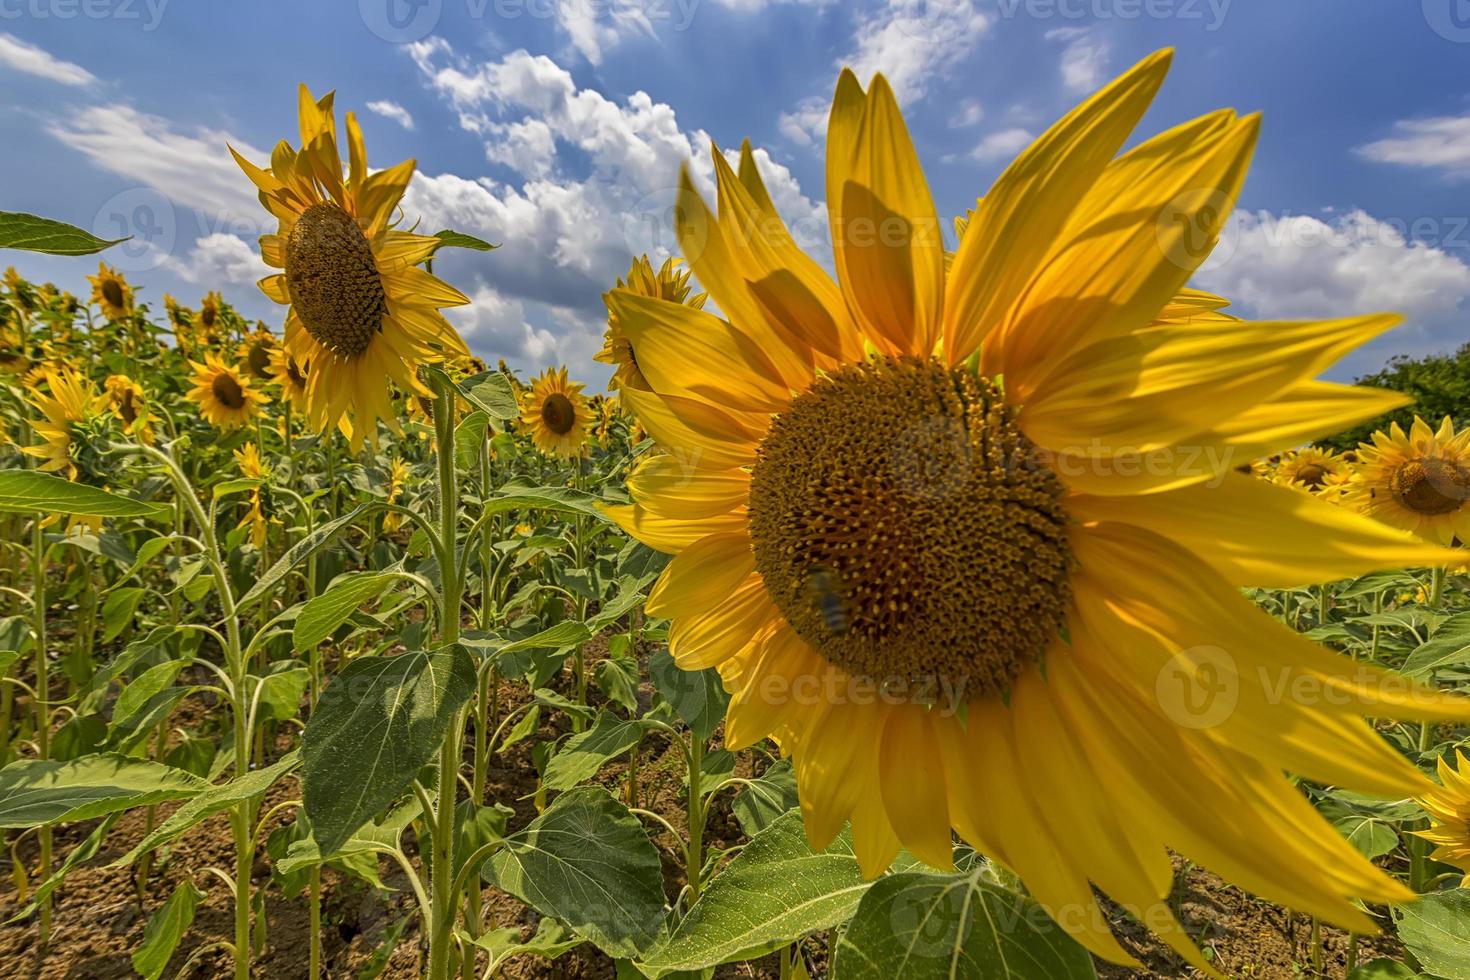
(129, 402)
(111, 292)
(257, 353)
(72, 424)
(362, 312)
(555, 412)
(969, 543)
(669, 283)
(1419, 481)
(1310, 468)
(225, 396)
(1449, 805)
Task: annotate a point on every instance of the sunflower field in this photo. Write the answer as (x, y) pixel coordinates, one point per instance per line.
(995, 607)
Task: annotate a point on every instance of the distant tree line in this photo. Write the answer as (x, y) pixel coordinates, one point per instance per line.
(1438, 383)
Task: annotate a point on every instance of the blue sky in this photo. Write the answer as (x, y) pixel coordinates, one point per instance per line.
(556, 127)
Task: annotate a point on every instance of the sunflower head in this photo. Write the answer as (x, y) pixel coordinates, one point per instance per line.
(1449, 806)
(555, 412)
(111, 292)
(290, 374)
(225, 395)
(671, 283)
(257, 353)
(210, 323)
(1310, 469)
(129, 403)
(76, 426)
(1419, 480)
(362, 313)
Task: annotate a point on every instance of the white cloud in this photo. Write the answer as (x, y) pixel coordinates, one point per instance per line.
(496, 325)
(393, 111)
(968, 113)
(912, 42)
(220, 258)
(1440, 143)
(1002, 144)
(1302, 267)
(592, 182)
(25, 57)
(1084, 59)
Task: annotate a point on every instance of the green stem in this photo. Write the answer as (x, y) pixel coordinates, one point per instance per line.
(314, 963)
(42, 706)
(694, 866)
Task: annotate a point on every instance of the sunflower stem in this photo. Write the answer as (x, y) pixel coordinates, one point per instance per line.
(42, 706)
(694, 866)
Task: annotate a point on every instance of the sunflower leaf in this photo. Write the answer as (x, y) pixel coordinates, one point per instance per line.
(36, 234)
(458, 239)
(1436, 929)
(30, 492)
(35, 792)
(491, 393)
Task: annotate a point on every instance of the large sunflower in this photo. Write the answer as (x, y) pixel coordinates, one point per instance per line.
(555, 412)
(111, 292)
(224, 395)
(970, 545)
(671, 283)
(1449, 805)
(362, 312)
(1419, 481)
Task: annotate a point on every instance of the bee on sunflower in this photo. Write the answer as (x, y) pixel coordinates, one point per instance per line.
(75, 426)
(1449, 806)
(111, 292)
(857, 475)
(1310, 469)
(1419, 480)
(361, 311)
(669, 283)
(129, 403)
(225, 396)
(554, 411)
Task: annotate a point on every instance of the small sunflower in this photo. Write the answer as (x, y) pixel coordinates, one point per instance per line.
(1310, 469)
(129, 403)
(362, 312)
(1419, 481)
(224, 395)
(111, 292)
(257, 353)
(555, 412)
(247, 457)
(398, 471)
(290, 374)
(74, 425)
(209, 325)
(669, 283)
(1449, 805)
(858, 474)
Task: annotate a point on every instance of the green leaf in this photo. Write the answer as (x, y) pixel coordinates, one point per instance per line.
(1372, 837)
(775, 891)
(469, 437)
(212, 800)
(550, 941)
(764, 799)
(321, 616)
(587, 752)
(299, 552)
(378, 722)
(698, 697)
(958, 926)
(165, 928)
(587, 862)
(1383, 969)
(79, 855)
(458, 239)
(36, 792)
(118, 611)
(564, 500)
(1448, 647)
(1436, 929)
(491, 392)
(36, 234)
(31, 492)
(281, 689)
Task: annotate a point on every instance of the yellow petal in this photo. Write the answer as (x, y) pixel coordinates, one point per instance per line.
(702, 576)
(912, 778)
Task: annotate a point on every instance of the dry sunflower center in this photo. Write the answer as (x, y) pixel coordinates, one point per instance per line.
(903, 525)
(558, 414)
(1430, 485)
(333, 280)
(228, 391)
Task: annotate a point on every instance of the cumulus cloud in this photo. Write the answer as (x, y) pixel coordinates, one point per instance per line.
(1439, 143)
(1084, 59)
(220, 258)
(393, 111)
(1002, 144)
(25, 57)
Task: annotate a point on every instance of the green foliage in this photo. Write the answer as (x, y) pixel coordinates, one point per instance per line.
(1438, 383)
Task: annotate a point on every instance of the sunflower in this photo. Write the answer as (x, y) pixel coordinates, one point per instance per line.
(73, 425)
(111, 292)
(362, 312)
(1419, 481)
(1449, 805)
(290, 374)
(209, 326)
(398, 471)
(129, 403)
(1011, 608)
(668, 283)
(1310, 469)
(257, 353)
(224, 395)
(247, 457)
(555, 412)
